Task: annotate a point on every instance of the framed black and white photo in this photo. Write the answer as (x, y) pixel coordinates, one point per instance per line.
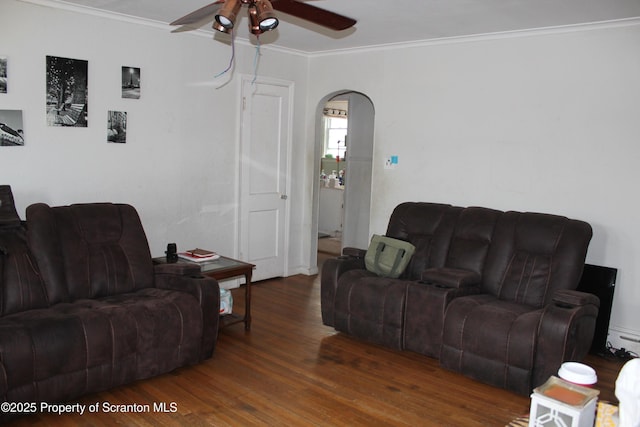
(11, 130)
(117, 127)
(131, 82)
(3, 74)
(67, 92)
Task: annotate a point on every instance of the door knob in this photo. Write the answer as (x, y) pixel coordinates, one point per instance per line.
(283, 196)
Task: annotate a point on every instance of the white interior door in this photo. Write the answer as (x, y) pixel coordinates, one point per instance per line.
(264, 167)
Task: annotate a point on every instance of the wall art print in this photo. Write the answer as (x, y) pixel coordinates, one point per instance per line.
(3, 74)
(131, 82)
(11, 133)
(117, 127)
(67, 92)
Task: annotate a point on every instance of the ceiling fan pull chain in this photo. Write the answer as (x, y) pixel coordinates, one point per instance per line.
(233, 55)
(256, 60)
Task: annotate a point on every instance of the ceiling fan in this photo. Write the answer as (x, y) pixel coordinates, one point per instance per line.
(261, 14)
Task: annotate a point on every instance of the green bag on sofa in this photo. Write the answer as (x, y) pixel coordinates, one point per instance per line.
(388, 257)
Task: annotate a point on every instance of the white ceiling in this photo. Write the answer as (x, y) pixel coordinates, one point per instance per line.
(389, 21)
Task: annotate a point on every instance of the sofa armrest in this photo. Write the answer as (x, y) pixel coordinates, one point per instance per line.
(206, 290)
(451, 277)
(177, 268)
(568, 298)
(565, 332)
(332, 269)
(354, 252)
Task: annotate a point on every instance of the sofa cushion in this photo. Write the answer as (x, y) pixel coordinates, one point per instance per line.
(69, 349)
(89, 250)
(491, 340)
(471, 239)
(533, 255)
(428, 226)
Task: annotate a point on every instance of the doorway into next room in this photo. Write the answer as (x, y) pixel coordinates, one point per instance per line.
(332, 175)
(342, 173)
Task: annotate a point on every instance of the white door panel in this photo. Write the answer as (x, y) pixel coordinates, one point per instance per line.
(264, 166)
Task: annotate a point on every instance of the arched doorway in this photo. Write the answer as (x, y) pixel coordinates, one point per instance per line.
(358, 166)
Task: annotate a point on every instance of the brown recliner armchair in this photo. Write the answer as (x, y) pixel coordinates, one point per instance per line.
(84, 309)
(527, 319)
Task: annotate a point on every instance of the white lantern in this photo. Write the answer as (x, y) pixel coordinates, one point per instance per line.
(559, 403)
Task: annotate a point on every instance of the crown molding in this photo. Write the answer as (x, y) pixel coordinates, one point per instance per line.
(561, 29)
(63, 5)
(619, 23)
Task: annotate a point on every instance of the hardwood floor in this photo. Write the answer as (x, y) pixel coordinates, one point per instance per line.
(330, 246)
(290, 370)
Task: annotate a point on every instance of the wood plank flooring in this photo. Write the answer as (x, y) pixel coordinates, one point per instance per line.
(290, 370)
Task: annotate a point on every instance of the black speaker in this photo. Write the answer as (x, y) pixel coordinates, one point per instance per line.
(172, 252)
(600, 281)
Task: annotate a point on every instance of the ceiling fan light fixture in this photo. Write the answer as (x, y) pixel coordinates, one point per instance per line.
(254, 24)
(266, 17)
(216, 26)
(226, 17)
(261, 15)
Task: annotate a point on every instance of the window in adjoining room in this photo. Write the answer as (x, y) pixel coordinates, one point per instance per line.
(335, 136)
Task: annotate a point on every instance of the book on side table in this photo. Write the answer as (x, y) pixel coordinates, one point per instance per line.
(198, 255)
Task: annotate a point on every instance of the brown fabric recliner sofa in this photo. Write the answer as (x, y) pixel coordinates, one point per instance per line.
(491, 294)
(83, 307)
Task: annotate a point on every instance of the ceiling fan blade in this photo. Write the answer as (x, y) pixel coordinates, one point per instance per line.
(192, 27)
(200, 16)
(314, 14)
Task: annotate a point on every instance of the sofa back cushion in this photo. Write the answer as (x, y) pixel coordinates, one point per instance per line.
(534, 254)
(429, 227)
(471, 239)
(89, 250)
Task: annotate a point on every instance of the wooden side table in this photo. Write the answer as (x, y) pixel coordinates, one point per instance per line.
(226, 268)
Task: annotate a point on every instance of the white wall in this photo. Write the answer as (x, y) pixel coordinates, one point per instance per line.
(540, 121)
(179, 165)
(546, 121)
